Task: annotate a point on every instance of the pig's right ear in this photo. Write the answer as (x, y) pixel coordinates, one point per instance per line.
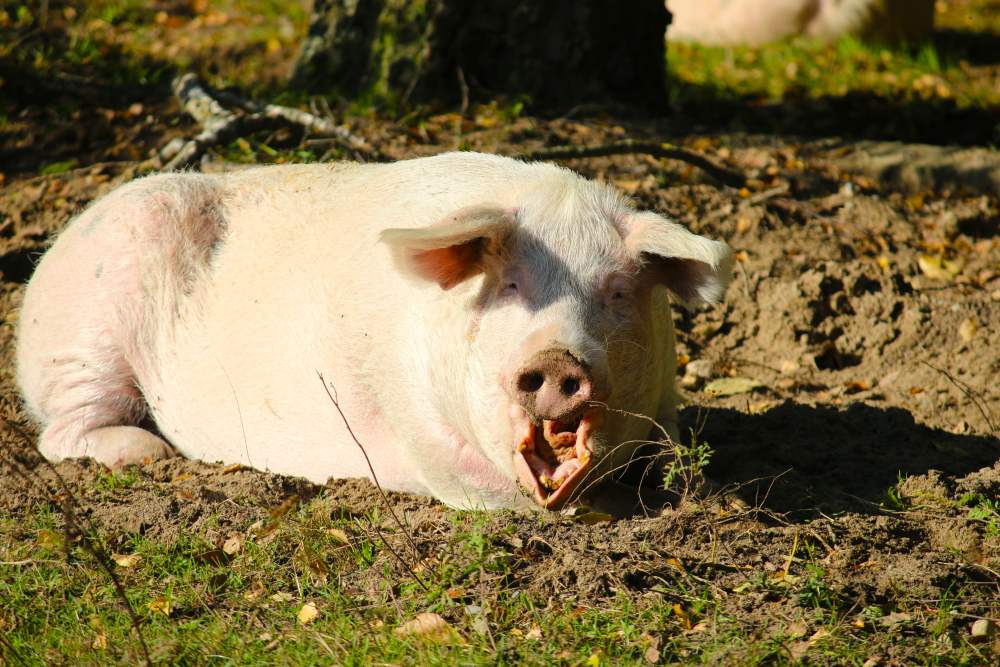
(454, 249)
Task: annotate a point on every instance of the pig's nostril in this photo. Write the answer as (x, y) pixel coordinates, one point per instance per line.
(530, 382)
(570, 386)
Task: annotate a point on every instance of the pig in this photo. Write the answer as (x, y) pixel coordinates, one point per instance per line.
(497, 334)
(755, 22)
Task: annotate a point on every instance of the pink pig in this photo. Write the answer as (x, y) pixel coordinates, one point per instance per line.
(496, 333)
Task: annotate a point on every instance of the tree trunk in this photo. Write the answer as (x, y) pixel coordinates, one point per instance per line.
(557, 53)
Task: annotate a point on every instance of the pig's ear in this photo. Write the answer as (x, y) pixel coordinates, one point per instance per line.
(695, 268)
(454, 249)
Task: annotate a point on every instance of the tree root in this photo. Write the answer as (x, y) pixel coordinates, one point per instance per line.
(225, 117)
(668, 151)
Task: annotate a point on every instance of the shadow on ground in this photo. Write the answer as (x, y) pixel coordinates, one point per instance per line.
(857, 115)
(805, 461)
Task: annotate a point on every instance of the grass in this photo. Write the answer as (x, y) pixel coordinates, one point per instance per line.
(799, 69)
(242, 603)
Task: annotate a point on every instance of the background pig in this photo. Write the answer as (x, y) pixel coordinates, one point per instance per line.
(755, 22)
(490, 328)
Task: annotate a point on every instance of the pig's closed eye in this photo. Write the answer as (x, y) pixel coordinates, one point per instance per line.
(509, 289)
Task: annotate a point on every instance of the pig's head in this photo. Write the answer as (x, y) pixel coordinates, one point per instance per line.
(565, 353)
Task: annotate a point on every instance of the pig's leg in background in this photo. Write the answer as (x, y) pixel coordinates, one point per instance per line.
(74, 332)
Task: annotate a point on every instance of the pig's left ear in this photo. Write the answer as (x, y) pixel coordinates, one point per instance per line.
(695, 268)
(454, 249)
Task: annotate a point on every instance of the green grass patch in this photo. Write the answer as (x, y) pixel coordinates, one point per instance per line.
(801, 68)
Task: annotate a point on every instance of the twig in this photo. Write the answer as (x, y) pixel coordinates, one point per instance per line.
(965, 389)
(662, 150)
(225, 116)
(70, 508)
(463, 87)
(385, 499)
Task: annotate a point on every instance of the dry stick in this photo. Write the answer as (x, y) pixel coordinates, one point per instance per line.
(385, 499)
(69, 508)
(965, 389)
(657, 149)
(222, 125)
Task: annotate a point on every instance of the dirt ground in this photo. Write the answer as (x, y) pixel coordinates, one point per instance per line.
(862, 326)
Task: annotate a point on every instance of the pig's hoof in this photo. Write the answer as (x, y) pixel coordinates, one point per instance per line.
(120, 446)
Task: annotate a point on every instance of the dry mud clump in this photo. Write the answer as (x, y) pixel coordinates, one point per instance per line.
(862, 326)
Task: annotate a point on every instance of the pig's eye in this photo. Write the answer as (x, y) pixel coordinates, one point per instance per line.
(509, 289)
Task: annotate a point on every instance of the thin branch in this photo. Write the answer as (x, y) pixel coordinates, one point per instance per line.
(225, 116)
(86, 533)
(385, 499)
(969, 394)
(662, 150)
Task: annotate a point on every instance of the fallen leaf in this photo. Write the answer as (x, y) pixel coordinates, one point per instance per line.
(50, 539)
(534, 633)
(938, 268)
(798, 650)
(855, 386)
(125, 560)
(967, 329)
(235, 467)
(895, 618)
(730, 386)
(590, 518)
(682, 616)
(161, 605)
(593, 661)
(427, 625)
(100, 642)
(307, 614)
(233, 545)
(282, 597)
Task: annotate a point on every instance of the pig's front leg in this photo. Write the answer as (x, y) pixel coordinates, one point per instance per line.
(114, 446)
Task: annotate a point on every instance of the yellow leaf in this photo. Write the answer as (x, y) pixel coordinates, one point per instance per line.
(100, 642)
(593, 661)
(938, 268)
(429, 626)
(125, 560)
(676, 564)
(307, 614)
(160, 605)
(282, 597)
(682, 616)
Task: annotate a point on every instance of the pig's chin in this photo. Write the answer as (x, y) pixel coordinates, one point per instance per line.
(553, 457)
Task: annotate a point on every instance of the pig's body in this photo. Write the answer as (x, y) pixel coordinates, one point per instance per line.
(208, 304)
(754, 22)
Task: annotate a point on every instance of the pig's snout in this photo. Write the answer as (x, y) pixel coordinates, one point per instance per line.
(553, 384)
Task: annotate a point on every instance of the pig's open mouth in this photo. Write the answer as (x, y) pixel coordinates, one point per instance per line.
(552, 459)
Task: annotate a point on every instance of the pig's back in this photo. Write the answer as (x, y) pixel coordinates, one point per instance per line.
(299, 285)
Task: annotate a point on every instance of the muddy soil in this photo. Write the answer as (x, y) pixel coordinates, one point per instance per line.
(862, 325)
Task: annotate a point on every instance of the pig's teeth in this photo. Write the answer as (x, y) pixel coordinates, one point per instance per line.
(527, 443)
(549, 483)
